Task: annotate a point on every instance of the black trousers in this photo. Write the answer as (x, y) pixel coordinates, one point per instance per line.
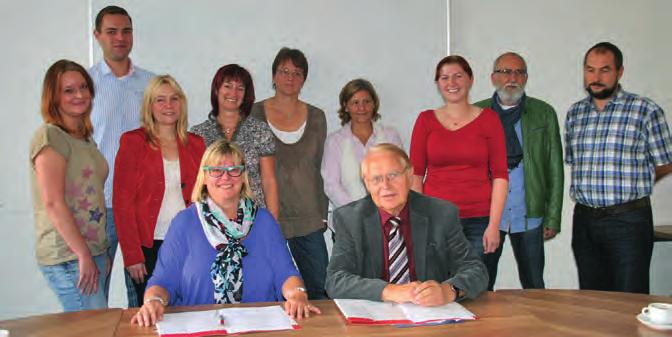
(613, 248)
(151, 255)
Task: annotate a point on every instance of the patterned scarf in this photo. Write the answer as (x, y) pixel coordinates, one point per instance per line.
(225, 236)
(514, 151)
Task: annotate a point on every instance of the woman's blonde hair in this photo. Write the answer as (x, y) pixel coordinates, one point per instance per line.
(51, 94)
(212, 156)
(147, 119)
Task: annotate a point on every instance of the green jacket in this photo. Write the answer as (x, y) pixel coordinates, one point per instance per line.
(542, 158)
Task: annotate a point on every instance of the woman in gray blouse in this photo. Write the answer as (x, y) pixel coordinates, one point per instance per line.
(299, 130)
(231, 97)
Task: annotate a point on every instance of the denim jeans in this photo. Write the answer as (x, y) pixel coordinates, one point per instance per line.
(112, 251)
(473, 229)
(310, 255)
(613, 251)
(63, 278)
(528, 249)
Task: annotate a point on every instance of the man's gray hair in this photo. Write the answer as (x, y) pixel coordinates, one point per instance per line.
(509, 53)
(386, 148)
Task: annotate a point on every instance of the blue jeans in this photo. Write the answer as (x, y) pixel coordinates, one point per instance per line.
(473, 229)
(310, 255)
(613, 251)
(528, 249)
(63, 278)
(112, 251)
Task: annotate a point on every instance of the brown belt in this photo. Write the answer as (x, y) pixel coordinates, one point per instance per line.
(616, 209)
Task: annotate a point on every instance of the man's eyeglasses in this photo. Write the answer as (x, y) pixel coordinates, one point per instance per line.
(507, 72)
(379, 179)
(218, 171)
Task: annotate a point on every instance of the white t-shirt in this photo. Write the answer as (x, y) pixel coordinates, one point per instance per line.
(289, 137)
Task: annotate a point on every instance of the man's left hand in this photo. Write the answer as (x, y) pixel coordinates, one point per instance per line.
(549, 233)
(431, 293)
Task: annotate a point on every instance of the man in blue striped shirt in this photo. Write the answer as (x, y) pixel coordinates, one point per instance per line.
(618, 144)
(119, 86)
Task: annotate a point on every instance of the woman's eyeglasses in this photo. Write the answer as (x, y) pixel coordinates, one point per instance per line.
(218, 171)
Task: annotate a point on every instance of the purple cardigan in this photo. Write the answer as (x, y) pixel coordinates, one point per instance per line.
(183, 266)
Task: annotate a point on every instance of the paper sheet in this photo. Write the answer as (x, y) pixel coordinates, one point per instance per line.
(236, 320)
(362, 311)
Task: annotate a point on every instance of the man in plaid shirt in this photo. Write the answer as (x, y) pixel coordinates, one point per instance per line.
(618, 144)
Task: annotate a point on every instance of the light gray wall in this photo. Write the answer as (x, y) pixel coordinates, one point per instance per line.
(341, 40)
(553, 36)
(393, 45)
(34, 39)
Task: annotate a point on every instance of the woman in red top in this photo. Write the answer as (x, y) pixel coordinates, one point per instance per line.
(458, 154)
(154, 174)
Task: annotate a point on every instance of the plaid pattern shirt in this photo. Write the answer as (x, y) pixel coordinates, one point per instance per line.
(613, 153)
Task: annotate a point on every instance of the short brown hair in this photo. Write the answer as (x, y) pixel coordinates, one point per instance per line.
(349, 90)
(147, 118)
(51, 89)
(295, 56)
(227, 73)
(111, 10)
(454, 59)
(606, 47)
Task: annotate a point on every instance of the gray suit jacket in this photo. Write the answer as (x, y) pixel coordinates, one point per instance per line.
(440, 250)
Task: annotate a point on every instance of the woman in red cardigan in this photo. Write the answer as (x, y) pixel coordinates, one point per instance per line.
(458, 154)
(154, 174)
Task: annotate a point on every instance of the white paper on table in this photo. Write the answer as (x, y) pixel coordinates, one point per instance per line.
(360, 311)
(450, 311)
(236, 320)
(375, 311)
(189, 323)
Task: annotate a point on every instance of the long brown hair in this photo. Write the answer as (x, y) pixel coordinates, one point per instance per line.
(51, 89)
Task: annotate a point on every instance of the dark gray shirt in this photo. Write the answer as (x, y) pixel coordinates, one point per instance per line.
(303, 204)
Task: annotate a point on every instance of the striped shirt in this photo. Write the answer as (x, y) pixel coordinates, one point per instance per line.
(613, 153)
(116, 109)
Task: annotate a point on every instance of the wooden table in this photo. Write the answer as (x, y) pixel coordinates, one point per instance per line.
(502, 313)
(662, 233)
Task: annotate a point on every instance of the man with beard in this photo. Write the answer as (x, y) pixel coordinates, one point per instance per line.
(116, 109)
(534, 153)
(618, 144)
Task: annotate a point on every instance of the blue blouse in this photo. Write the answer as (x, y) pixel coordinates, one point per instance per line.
(185, 258)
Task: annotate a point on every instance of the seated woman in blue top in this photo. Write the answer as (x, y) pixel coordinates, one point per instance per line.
(223, 249)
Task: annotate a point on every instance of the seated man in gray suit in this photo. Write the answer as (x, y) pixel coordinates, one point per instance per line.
(398, 245)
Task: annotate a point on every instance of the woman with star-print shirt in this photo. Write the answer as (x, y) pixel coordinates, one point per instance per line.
(67, 175)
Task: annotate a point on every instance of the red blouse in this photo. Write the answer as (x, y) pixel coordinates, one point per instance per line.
(460, 164)
(139, 185)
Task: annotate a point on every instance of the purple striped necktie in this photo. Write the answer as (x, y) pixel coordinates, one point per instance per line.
(398, 256)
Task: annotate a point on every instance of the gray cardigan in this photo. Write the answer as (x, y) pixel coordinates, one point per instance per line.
(303, 204)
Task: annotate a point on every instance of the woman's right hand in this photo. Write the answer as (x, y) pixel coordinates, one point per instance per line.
(150, 313)
(88, 275)
(137, 272)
